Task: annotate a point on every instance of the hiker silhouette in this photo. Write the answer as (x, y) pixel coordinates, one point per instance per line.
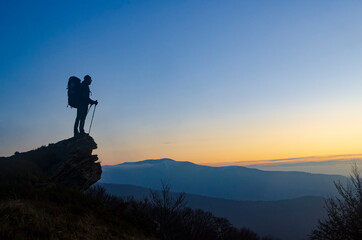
(83, 101)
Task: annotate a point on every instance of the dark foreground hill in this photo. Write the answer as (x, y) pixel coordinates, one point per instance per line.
(234, 182)
(285, 219)
(42, 197)
(28, 213)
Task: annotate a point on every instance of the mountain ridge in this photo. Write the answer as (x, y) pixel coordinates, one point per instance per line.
(230, 182)
(169, 160)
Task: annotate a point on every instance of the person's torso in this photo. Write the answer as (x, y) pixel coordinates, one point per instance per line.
(84, 93)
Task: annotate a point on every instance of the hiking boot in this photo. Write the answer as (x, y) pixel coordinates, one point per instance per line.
(82, 132)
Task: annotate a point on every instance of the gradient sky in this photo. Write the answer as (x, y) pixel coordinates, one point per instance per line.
(201, 81)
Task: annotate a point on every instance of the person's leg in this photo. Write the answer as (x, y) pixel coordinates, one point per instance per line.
(76, 124)
(83, 115)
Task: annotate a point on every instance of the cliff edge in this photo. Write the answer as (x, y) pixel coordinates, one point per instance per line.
(69, 163)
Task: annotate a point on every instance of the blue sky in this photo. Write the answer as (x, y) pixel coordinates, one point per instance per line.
(204, 81)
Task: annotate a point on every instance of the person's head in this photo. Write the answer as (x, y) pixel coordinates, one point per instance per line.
(87, 79)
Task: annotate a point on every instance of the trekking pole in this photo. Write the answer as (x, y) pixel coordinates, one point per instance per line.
(92, 118)
(89, 109)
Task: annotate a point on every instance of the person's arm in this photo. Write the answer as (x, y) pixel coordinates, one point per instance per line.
(90, 101)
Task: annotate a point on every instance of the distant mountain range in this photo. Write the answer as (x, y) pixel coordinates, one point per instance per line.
(232, 182)
(285, 219)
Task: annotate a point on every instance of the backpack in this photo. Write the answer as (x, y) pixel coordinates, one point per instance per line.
(73, 91)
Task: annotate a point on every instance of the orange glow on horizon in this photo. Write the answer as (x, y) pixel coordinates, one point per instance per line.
(318, 131)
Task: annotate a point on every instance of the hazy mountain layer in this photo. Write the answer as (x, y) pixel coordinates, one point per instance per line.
(233, 182)
(286, 219)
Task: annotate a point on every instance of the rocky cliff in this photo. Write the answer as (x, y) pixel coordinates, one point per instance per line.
(69, 163)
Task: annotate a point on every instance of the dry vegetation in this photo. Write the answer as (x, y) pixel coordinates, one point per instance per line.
(59, 213)
(35, 212)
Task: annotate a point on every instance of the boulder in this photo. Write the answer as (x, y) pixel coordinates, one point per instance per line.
(69, 163)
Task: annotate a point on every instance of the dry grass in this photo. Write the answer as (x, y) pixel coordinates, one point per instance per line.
(27, 213)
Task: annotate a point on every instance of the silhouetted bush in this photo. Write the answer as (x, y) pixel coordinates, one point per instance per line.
(177, 222)
(101, 194)
(344, 213)
(131, 211)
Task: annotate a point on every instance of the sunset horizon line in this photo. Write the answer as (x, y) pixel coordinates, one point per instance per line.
(262, 162)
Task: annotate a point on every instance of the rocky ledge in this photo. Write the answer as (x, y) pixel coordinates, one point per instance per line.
(69, 163)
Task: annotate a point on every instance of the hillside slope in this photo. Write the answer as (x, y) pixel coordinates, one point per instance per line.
(42, 197)
(62, 213)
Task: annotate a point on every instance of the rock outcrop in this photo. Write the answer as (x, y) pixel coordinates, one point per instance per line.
(69, 163)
